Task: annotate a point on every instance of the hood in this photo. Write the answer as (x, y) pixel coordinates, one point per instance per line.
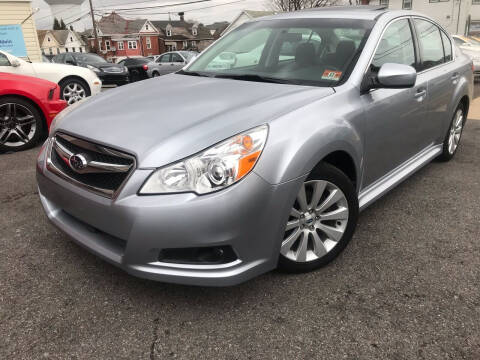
(102, 65)
(168, 118)
(27, 80)
(46, 68)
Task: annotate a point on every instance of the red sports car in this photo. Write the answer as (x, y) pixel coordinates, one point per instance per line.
(27, 108)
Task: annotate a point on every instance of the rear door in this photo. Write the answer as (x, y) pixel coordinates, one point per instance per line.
(438, 69)
(176, 62)
(395, 124)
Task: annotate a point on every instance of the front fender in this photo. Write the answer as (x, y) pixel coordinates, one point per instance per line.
(300, 140)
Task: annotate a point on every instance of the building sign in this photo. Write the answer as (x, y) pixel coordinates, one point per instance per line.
(12, 41)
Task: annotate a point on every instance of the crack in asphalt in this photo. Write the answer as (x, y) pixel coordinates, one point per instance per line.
(155, 338)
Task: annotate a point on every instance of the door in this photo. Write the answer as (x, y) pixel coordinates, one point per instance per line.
(394, 117)
(438, 68)
(177, 62)
(164, 63)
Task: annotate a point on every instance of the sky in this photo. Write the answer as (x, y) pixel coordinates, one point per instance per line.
(219, 10)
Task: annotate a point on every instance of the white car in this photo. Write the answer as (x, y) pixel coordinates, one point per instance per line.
(75, 82)
(471, 48)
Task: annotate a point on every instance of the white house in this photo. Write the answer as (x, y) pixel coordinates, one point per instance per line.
(244, 16)
(456, 16)
(20, 12)
(53, 42)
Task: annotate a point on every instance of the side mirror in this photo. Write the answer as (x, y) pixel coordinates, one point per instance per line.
(397, 76)
(15, 63)
(390, 76)
(70, 62)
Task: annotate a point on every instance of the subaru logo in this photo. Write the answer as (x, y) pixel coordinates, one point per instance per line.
(78, 162)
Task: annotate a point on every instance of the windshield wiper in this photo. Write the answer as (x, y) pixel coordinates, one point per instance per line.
(192, 73)
(253, 77)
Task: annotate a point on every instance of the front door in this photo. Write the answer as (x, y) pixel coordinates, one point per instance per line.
(395, 118)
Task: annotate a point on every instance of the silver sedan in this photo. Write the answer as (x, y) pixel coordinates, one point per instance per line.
(260, 153)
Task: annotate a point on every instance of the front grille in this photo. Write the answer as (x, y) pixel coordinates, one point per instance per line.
(98, 169)
(113, 70)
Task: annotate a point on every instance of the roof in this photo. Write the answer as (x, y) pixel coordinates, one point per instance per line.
(256, 14)
(350, 12)
(182, 29)
(60, 35)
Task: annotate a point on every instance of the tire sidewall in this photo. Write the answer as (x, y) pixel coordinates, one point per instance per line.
(40, 124)
(446, 156)
(63, 84)
(332, 174)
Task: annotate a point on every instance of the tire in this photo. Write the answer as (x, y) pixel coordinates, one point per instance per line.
(155, 74)
(73, 90)
(24, 129)
(454, 134)
(325, 239)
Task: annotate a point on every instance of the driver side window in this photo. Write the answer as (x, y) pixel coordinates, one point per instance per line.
(164, 58)
(4, 60)
(396, 46)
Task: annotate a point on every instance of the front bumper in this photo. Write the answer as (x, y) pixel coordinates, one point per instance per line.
(131, 230)
(114, 78)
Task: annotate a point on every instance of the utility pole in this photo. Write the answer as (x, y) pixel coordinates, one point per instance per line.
(95, 47)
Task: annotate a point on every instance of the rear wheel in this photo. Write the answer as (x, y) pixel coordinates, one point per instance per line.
(321, 222)
(155, 74)
(21, 124)
(454, 134)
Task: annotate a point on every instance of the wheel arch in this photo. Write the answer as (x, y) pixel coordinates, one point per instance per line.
(344, 162)
(76, 77)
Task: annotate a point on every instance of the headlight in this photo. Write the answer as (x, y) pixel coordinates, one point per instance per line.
(213, 169)
(93, 68)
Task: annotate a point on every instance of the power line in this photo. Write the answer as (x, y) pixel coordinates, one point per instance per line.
(55, 14)
(186, 11)
(155, 6)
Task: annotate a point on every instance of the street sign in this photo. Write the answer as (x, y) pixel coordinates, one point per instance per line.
(12, 41)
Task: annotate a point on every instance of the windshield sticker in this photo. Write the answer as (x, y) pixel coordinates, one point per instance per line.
(331, 75)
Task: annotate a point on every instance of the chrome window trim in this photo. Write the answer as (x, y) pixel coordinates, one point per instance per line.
(413, 38)
(110, 194)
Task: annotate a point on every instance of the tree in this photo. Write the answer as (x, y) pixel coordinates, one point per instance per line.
(293, 5)
(56, 24)
(71, 27)
(62, 25)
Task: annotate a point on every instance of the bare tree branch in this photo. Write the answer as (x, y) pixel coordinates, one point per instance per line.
(293, 5)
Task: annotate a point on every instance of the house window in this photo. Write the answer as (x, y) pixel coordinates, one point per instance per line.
(120, 45)
(437, 1)
(194, 31)
(48, 39)
(194, 43)
(384, 2)
(146, 27)
(169, 30)
(71, 39)
(185, 44)
(58, 51)
(407, 4)
(50, 51)
(475, 2)
(66, 49)
(132, 44)
(100, 44)
(107, 45)
(81, 49)
(73, 49)
(43, 51)
(149, 43)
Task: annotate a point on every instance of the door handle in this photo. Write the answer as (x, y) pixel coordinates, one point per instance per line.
(420, 93)
(455, 77)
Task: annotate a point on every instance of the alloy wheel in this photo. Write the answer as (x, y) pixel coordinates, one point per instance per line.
(17, 125)
(317, 221)
(455, 131)
(73, 92)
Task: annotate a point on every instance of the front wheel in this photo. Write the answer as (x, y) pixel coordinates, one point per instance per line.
(322, 220)
(21, 124)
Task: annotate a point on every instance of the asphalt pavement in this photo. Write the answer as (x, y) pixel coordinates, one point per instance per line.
(407, 286)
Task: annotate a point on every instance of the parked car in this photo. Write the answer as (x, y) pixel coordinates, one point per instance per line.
(109, 73)
(45, 59)
(153, 57)
(140, 68)
(27, 108)
(471, 48)
(75, 83)
(265, 165)
(175, 60)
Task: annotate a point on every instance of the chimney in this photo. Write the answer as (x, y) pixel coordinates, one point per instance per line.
(182, 16)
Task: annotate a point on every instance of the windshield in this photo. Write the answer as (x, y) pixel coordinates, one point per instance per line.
(89, 58)
(188, 55)
(319, 52)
